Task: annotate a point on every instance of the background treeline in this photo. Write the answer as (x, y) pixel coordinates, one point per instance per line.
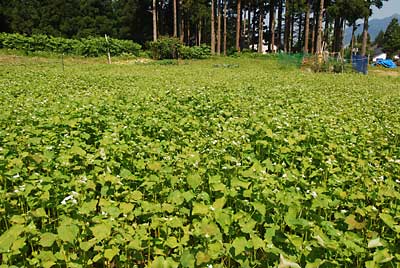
(289, 25)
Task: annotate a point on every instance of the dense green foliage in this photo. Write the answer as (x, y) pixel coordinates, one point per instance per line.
(197, 165)
(391, 38)
(195, 52)
(92, 47)
(173, 48)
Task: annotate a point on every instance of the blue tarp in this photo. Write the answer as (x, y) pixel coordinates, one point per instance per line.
(386, 63)
(360, 63)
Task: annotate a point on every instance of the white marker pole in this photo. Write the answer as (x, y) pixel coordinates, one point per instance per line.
(108, 50)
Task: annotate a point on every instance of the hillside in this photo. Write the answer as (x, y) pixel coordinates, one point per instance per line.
(375, 26)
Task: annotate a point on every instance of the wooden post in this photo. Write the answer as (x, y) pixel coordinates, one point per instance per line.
(108, 50)
(62, 62)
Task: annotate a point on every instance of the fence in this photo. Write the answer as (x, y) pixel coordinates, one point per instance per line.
(294, 60)
(325, 62)
(360, 63)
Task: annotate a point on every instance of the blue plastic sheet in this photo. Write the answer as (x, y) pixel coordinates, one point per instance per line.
(360, 63)
(386, 63)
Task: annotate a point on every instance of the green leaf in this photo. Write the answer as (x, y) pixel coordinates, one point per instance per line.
(101, 231)
(17, 219)
(194, 180)
(224, 220)
(200, 209)
(86, 245)
(387, 219)
(109, 254)
(47, 239)
(47, 258)
(353, 224)
(260, 207)
(9, 237)
(371, 264)
(202, 257)
(209, 229)
(159, 262)
(68, 232)
(154, 166)
(40, 212)
(18, 244)
(239, 244)
(76, 150)
(382, 256)
(257, 242)
(136, 195)
(239, 183)
(172, 242)
(126, 208)
(219, 203)
(187, 259)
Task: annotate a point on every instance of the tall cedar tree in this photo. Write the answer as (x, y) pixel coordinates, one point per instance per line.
(368, 5)
(391, 39)
(238, 14)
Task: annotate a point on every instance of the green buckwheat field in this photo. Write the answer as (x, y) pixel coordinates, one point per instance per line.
(227, 162)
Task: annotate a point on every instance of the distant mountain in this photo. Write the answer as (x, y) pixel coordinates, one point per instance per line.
(375, 26)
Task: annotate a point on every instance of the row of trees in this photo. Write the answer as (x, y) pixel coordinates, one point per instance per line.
(290, 25)
(389, 40)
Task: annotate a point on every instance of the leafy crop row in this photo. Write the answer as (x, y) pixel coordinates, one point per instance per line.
(196, 166)
(92, 47)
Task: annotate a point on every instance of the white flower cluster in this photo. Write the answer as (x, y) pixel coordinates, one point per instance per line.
(313, 193)
(71, 198)
(397, 161)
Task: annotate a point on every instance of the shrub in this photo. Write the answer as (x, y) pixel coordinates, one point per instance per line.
(165, 48)
(197, 52)
(92, 47)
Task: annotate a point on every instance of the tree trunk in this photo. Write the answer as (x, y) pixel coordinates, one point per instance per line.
(175, 21)
(225, 26)
(291, 36)
(319, 34)
(352, 40)
(212, 29)
(238, 12)
(326, 32)
(218, 28)
(248, 25)
(182, 36)
(188, 32)
(272, 26)
(314, 29)
(253, 31)
(336, 30)
(287, 27)
(199, 33)
(244, 22)
(342, 29)
(261, 31)
(280, 11)
(365, 37)
(154, 21)
(300, 34)
(307, 28)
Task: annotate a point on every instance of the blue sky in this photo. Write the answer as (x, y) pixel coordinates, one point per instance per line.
(389, 8)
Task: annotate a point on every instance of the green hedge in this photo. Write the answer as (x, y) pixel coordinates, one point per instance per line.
(197, 52)
(91, 47)
(173, 48)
